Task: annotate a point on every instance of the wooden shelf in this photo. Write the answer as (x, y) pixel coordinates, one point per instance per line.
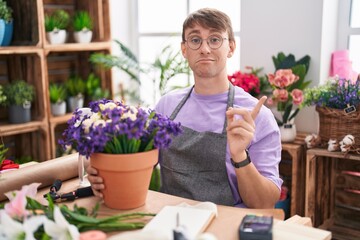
(32, 58)
(331, 186)
(297, 194)
(20, 50)
(11, 129)
(71, 47)
(60, 119)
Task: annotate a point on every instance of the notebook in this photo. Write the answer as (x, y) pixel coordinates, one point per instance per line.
(194, 219)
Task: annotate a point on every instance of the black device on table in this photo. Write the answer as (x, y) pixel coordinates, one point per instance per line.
(256, 227)
(70, 196)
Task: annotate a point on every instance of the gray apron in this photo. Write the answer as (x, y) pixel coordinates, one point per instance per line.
(194, 164)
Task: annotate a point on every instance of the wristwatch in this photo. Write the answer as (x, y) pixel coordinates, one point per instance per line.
(243, 163)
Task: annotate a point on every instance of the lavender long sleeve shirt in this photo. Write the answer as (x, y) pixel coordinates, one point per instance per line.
(207, 113)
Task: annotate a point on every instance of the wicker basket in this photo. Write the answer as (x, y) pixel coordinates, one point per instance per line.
(336, 124)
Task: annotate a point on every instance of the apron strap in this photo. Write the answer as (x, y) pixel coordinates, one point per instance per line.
(230, 103)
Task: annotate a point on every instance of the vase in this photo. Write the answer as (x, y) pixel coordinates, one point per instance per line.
(75, 102)
(126, 177)
(83, 36)
(58, 109)
(288, 132)
(20, 113)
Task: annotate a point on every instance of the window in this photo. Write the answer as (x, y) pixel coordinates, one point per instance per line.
(349, 30)
(163, 27)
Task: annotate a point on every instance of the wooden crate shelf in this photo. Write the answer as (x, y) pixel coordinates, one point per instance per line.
(97, 9)
(292, 168)
(31, 58)
(332, 191)
(33, 145)
(27, 15)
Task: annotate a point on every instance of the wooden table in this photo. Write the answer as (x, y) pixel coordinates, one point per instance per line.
(224, 227)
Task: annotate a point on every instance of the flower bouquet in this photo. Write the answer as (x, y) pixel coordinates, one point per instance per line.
(338, 105)
(251, 82)
(23, 217)
(120, 139)
(115, 128)
(288, 84)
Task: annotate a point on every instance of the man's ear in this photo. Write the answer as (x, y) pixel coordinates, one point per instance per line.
(232, 47)
(183, 50)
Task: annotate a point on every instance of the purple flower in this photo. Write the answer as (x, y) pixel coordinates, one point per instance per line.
(113, 127)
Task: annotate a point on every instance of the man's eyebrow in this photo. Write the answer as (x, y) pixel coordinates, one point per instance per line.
(194, 32)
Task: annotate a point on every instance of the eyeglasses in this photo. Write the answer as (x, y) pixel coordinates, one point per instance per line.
(213, 41)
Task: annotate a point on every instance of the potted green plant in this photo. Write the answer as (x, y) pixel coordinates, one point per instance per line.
(6, 24)
(57, 93)
(83, 26)
(94, 90)
(126, 62)
(75, 88)
(19, 95)
(55, 26)
(2, 95)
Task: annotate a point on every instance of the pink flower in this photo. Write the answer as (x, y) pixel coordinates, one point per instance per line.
(247, 81)
(281, 95)
(282, 78)
(297, 96)
(16, 208)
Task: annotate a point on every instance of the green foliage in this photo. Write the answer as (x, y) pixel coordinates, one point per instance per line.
(82, 21)
(58, 20)
(94, 90)
(335, 93)
(18, 93)
(57, 92)
(126, 61)
(3, 151)
(75, 86)
(155, 181)
(168, 64)
(2, 95)
(5, 11)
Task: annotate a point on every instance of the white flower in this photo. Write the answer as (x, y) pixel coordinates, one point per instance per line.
(348, 140)
(11, 229)
(60, 229)
(131, 113)
(84, 112)
(109, 105)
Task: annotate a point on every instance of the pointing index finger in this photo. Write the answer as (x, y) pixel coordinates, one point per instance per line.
(256, 109)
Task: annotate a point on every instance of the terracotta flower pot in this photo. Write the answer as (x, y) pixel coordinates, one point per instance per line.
(126, 177)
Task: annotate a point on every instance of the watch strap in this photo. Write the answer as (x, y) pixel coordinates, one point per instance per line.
(243, 163)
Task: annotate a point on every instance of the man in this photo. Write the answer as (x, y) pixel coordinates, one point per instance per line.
(224, 127)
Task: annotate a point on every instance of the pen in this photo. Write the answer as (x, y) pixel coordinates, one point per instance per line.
(180, 231)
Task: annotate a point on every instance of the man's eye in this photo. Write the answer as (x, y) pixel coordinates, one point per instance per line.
(195, 40)
(214, 39)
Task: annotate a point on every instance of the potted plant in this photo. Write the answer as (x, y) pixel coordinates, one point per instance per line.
(57, 93)
(19, 95)
(338, 104)
(55, 26)
(83, 26)
(2, 95)
(6, 24)
(94, 90)
(126, 62)
(122, 142)
(288, 83)
(75, 88)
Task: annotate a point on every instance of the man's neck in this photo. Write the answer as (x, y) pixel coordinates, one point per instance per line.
(211, 86)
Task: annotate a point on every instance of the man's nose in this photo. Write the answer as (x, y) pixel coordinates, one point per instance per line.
(204, 47)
